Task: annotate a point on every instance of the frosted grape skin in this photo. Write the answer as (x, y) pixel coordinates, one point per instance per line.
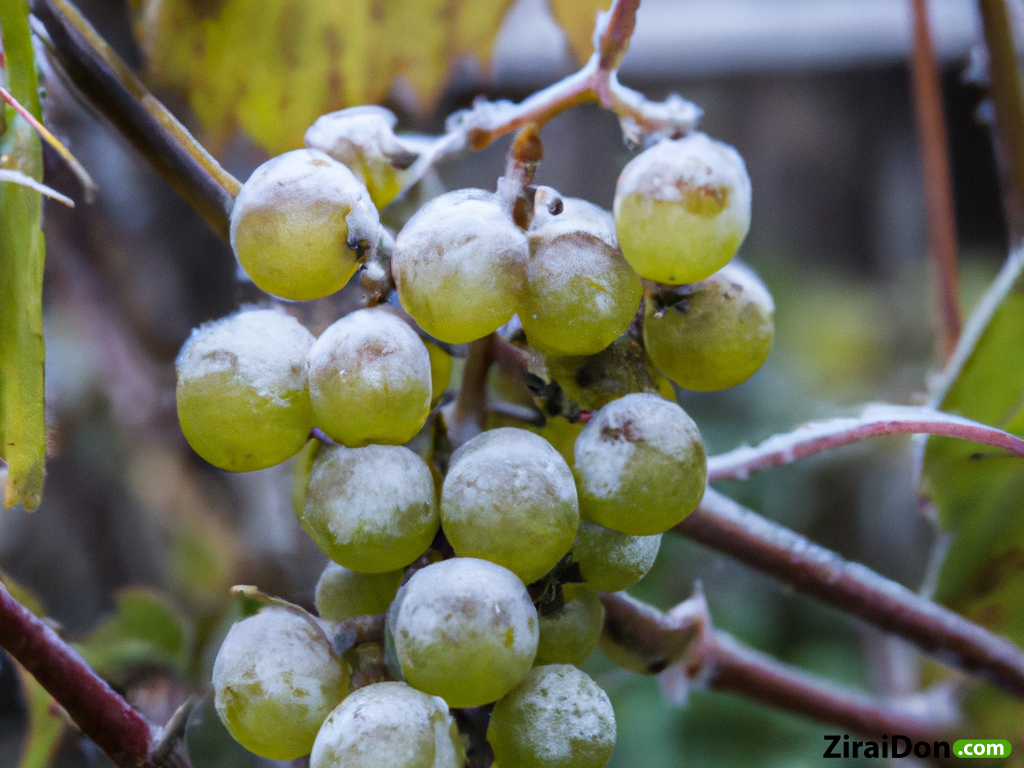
(682, 208)
(464, 629)
(570, 635)
(580, 292)
(241, 389)
(509, 497)
(717, 335)
(640, 465)
(275, 679)
(342, 593)
(459, 265)
(556, 718)
(389, 725)
(372, 509)
(611, 561)
(369, 379)
(300, 224)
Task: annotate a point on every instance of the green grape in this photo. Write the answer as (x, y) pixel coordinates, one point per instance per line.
(682, 208)
(370, 509)
(363, 138)
(369, 379)
(640, 465)
(556, 718)
(569, 636)
(459, 264)
(389, 725)
(301, 468)
(611, 561)
(714, 334)
(465, 630)
(300, 225)
(275, 679)
(241, 389)
(510, 498)
(342, 593)
(440, 370)
(580, 292)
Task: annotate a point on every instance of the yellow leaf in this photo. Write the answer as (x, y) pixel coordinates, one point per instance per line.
(271, 68)
(576, 18)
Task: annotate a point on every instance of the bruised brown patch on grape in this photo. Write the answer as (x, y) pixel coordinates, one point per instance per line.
(510, 637)
(704, 199)
(627, 431)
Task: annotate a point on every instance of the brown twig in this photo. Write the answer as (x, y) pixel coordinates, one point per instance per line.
(1008, 99)
(102, 715)
(723, 525)
(97, 72)
(938, 183)
(687, 644)
(469, 412)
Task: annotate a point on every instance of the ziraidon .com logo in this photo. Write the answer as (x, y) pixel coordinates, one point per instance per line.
(840, 745)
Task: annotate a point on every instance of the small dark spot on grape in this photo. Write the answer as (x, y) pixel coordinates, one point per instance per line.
(556, 206)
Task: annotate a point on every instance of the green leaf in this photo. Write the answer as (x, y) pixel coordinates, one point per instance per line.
(977, 492)
(576, 18)
(22, 250)
(145, 631)
(274, 70)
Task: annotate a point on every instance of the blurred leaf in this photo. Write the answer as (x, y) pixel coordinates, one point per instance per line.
(146, 630)
(46, 721)
(576, 18)
(272, 69)
(977, 492)
(22, 249)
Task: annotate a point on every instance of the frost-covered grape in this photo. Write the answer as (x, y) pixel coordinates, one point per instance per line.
(569, 636)
(363, 138)
(370, 509)
(510, 498)
(611, 561)
(580, 292)
(459, 264)
(556, 718)
(369, 379)
(241, 389)
(275, 679)
(301, 223)
(342, 593)
(389, 725)
(465, 630)
(640, 465)
(714, 334)
(682, 208)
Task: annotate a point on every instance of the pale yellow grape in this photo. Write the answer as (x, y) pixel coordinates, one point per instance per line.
(371, 509)
(580, 292)
(342, 593)
(682, 208)
(570, 635)
(509, 497)
(389, 725)
(241, 389)
(275, 679)
(465, 630)
(369, 379)
(640, 465)
(301, 223)
(612, 561)
(716, 334)
(556, 718)
(459, 264)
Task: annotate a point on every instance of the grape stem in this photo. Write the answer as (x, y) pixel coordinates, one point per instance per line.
(723, 525)
(875, 419)
(693, 653)
(468, 415)
(105, 717)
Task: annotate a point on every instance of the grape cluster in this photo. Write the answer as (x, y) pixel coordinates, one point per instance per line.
(486, 562)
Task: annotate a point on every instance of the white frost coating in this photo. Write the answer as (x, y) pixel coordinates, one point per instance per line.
(673, 167)
(264, 349)
(556, 718)
(610, 560)
(388, 725)
(604, 448)
(349, 135)
(274, 667)
(577, 215)
(818, 435)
